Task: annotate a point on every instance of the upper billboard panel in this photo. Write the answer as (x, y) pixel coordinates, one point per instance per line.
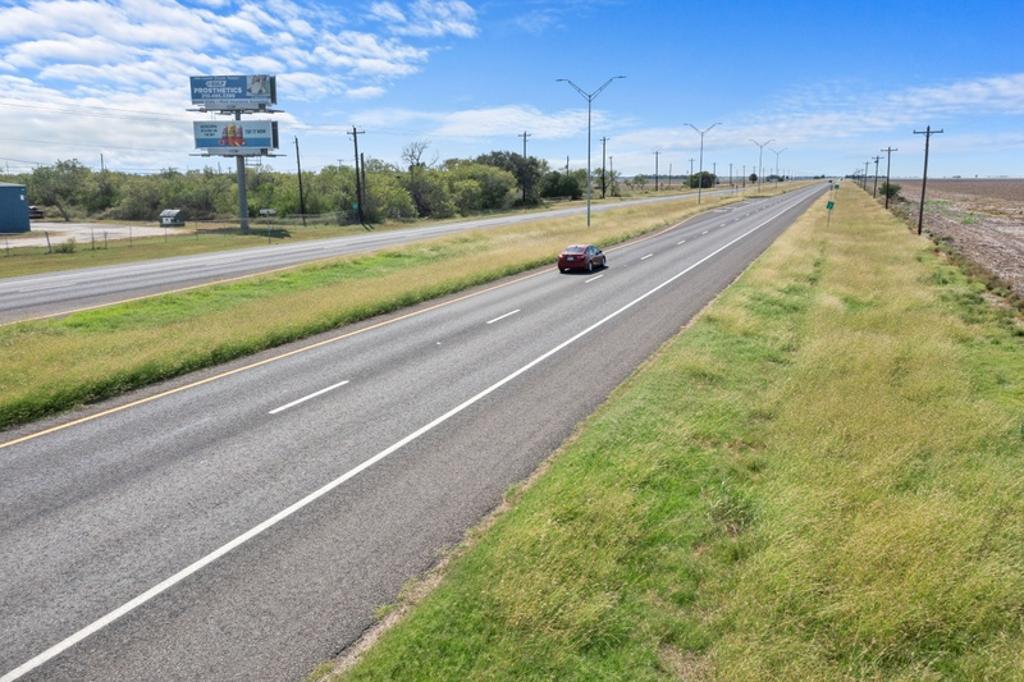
(234, 93)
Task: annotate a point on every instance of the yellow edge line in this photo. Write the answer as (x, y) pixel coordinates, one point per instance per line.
(312, 346)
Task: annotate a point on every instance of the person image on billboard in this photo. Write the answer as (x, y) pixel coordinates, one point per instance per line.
(259, 86)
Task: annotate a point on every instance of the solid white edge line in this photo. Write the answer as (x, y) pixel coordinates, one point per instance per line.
(166, 584)
(502, 317)
(588, 281)
(308, 397)
(647, 256)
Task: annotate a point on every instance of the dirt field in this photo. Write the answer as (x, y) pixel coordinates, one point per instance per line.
(982, 219)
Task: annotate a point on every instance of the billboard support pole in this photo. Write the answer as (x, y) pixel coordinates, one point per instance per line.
(243, 201)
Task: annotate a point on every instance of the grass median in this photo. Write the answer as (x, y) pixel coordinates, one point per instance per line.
(52, 365)
(820, 479)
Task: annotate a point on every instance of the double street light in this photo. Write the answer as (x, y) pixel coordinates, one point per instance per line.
(778, 153)
(760, 160)
(700, 175)
(589, 96)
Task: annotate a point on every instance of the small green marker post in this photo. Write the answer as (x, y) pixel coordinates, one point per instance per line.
(828, 207)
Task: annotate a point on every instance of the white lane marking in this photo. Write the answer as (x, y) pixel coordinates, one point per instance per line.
(196, 566)
(502, 317)
(647, 256)
(308, 397)
(704, 232)
(588, 281)
(680, 243)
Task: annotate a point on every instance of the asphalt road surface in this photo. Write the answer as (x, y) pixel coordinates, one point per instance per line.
(246, 527)
(57, 293)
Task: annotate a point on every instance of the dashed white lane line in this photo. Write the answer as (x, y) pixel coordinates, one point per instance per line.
(592, 279)
(704, 232)
(680, 243)
(647, 256)
(502, 317)
(308, 397)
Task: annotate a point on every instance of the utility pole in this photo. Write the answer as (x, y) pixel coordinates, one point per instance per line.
(730, 174)
(362, 174)
(888, 164)
(700, 179)
(874, 188)
(604, 149)
(524, 136)
(760, 160)
(927, 132)
(690, 182)
(302, 196)
(865, 183)
(611, 171)
(566, 164)
(103, 167)
(744, 176)
(656, 153)
(359, 184)
(589, 96)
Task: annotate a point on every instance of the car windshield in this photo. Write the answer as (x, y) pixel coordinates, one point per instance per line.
(575, 249)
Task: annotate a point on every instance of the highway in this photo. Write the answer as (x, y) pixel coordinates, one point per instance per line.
(245, 522)
(58, 293)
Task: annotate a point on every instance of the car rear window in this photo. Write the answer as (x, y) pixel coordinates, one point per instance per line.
(575, 249)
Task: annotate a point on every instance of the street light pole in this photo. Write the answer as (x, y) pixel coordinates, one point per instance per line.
(589, 96)
(777, 153)
(700, 176)
(760, 160)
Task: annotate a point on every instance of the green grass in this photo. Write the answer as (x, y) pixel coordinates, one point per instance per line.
(48, 366)
(820, 479)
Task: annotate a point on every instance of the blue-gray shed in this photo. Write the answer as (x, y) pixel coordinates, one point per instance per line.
(13, 208)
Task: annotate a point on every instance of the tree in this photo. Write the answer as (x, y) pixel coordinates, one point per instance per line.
(495, 184)
(561, 185)
(753, 177)
(59, 185)
(412, 154)
(705, 179)
(527, 171)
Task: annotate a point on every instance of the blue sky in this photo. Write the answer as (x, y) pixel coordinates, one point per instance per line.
(831, 83)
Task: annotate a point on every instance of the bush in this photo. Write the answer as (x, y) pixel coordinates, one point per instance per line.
(65, 247)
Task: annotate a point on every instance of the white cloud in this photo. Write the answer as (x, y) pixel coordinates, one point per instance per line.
(428, 18)
(365, 92)
(387, 11)
(484, 122)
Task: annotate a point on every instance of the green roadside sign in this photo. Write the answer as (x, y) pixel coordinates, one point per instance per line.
(830, 205)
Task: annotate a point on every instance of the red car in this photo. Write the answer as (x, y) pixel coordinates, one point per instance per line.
(582, 257)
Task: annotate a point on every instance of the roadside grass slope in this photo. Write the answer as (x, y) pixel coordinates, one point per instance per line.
(820, 479)
(48, 366)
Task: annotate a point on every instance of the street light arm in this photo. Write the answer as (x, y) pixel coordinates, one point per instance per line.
(578, 89)
(606, 84)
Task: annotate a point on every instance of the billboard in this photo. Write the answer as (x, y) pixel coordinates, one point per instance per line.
(248, 93)
(235, 138)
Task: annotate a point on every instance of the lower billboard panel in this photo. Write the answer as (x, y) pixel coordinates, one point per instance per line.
(235, 138)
